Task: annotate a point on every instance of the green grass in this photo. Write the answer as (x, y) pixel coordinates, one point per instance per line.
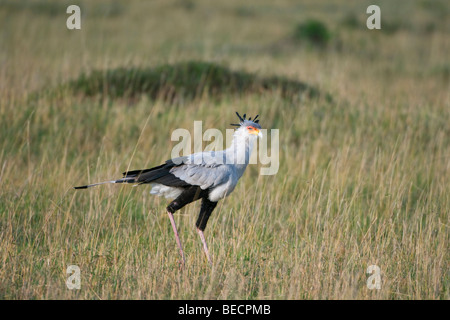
(363, 177)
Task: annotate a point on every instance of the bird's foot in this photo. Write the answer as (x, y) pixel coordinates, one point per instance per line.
(181, 264)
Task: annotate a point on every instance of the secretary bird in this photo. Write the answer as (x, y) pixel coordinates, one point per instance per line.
(209, 176)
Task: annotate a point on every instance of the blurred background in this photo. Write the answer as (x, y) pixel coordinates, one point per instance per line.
(321, 42)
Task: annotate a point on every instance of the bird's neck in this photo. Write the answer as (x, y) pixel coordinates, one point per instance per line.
(240, 150)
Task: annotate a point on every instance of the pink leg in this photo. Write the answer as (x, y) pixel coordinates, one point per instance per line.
(205, 247)
(174, 227)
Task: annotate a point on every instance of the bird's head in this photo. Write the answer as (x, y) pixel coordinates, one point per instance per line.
(248, 127)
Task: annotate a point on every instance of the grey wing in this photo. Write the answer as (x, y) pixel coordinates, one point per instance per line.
(205, 169)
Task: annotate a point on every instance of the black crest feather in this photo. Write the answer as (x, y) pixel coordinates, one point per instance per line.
(242, 119)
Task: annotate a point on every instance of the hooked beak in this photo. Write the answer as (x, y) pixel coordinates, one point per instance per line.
(255, 131)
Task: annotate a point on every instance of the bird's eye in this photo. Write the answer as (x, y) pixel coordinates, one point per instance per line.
(249, 128)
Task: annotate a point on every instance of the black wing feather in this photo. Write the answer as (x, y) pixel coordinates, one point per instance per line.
(159, 174)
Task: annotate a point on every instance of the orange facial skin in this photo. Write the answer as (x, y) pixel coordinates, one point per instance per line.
(252, 130)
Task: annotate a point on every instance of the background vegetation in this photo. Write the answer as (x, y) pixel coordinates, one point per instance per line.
(364, 160)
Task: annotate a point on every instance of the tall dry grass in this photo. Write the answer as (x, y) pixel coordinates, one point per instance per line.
(363, 178)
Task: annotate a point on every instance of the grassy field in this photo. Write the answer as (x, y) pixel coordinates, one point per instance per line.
(364, 175)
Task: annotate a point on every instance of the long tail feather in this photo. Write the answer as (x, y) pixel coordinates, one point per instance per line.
(160, 174)
(124, 180)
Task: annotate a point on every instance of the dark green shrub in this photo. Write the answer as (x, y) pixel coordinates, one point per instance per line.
(313, 32)
(186, 79)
